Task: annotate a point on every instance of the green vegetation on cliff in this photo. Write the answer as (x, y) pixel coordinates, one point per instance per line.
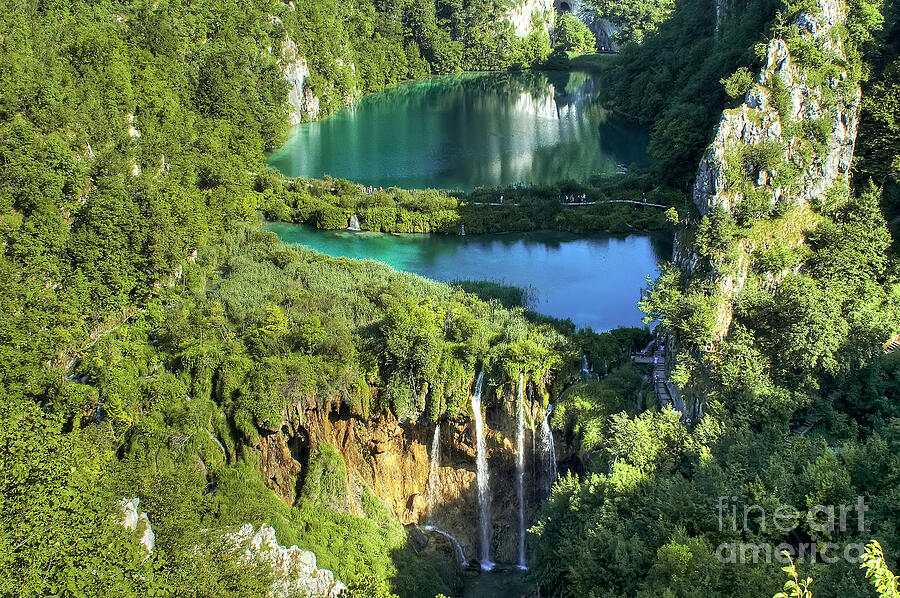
(671, 80)
(152, 337)
(129, 135)
(778, 318)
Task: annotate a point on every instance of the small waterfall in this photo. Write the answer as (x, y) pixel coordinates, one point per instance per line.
(459, 548)
(354, 223)
(520, 466)
(221, 446)
(434, 481)
(484, 491)
(549, 449)
(587, 370)
(462, 230)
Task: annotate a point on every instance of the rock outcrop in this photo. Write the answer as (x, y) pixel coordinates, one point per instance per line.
(765, 117)
(131, 518)
(304, 105)
(295, 570)
(603, 29)
(525, 13)
(790, 141)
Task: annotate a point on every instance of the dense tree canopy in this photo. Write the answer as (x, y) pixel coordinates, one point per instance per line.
(151, 333)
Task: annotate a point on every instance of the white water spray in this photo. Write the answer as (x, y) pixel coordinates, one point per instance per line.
(459, 548)
(354, 223)
(520, 467)
(484, 496)
(221, 446)
(549, 449)
(434, 478)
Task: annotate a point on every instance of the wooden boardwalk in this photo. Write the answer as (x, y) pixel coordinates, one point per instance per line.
(666, 392)
(802, 427)
(582, 203)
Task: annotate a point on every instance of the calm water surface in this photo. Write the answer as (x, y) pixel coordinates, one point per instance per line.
(594, 280)
(469, 130)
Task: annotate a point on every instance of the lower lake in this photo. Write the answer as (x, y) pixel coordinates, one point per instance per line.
(594, 280)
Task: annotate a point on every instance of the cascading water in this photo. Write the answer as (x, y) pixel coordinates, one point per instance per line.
(459, 548)
(434, 481)
(587, 370)
(484, 496)
(520, 466)
(549, 449)
(462, 230)
(221, 446)
(354, 223)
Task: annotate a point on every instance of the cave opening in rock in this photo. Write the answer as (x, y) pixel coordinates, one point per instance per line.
(564, 7)
(298, 445)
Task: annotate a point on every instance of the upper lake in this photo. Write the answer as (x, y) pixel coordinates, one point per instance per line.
(466, 131)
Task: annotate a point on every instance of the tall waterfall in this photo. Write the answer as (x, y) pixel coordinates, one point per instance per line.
(354, 223)
(520, 466)
(434, 480)
(484, 491)
(549, 449)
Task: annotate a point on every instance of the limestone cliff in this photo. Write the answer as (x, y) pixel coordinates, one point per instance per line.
(784, 97)
(131, 518)
(526, 13)
(303, 103)
(785, 147)
(603, 29)
(392, 460)
(295, 570)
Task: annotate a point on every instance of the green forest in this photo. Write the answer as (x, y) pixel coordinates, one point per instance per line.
(153, 336)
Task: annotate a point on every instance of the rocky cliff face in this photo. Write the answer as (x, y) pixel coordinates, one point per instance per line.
(525, 13)
(304, 105)
(133, 519)
(784, 97)
(296, 573)
(602, 29)
(392, 459)
(789, 142)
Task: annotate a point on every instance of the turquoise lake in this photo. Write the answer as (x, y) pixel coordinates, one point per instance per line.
(594, 280)
(466, 131)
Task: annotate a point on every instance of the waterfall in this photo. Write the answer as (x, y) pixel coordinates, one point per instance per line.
(549, 449)
(221, 446)
(354, 223)
(587, 370)
(520, 467)
(462, 230)
(484, 496)
(434, 481)
(459, 548)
